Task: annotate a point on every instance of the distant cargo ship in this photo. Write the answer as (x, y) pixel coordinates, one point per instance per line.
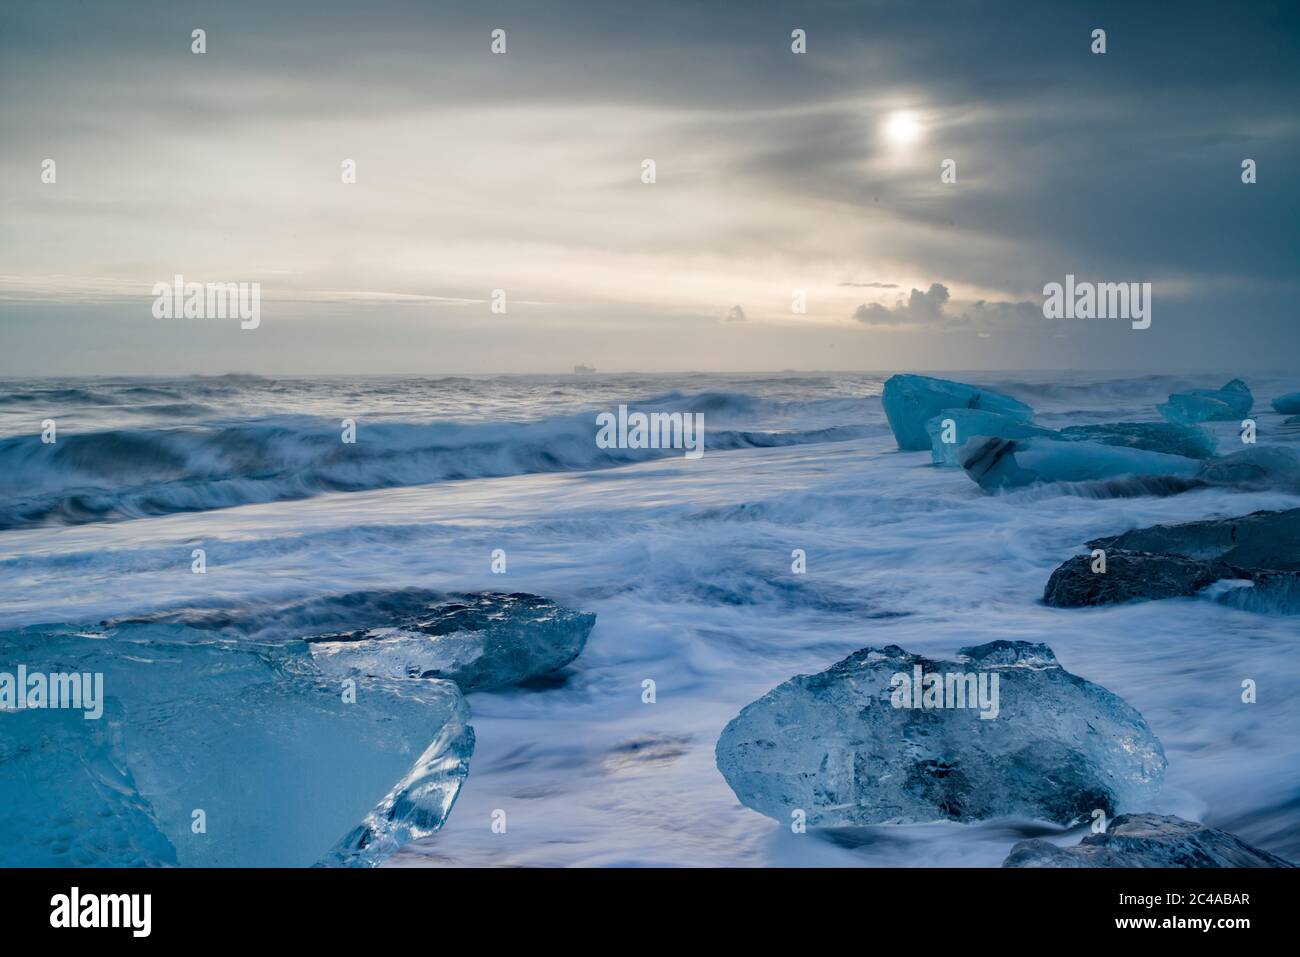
(583, 370)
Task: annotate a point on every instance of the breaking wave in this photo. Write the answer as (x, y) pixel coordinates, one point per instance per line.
(130, 473)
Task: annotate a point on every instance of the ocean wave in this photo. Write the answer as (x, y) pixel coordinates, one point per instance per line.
(56, 396)
(737, 406)
(177, 410)
(132, 473)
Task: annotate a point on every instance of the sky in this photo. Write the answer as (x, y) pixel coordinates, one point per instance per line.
(522, 171)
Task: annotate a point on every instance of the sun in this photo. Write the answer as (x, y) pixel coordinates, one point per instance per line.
(902, 127)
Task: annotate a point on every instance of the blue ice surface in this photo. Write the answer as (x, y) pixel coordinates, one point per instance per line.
(1288, 404)
(910, 401)
(1233, 401)
(283, 769)
(1172, 438)
(839, 747)
(999, 464)
(482, 641)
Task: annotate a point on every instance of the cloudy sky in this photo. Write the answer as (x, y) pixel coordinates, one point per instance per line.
(775, 172)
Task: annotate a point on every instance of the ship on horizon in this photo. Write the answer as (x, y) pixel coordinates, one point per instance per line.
(580, 369)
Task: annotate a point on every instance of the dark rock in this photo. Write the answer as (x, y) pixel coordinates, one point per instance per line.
(1261, 551)
(1147, 840)
(1260, 540)
(1131, 576)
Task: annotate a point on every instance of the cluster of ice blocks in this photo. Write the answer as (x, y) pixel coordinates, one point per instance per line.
(1015, 735)
(993, 438)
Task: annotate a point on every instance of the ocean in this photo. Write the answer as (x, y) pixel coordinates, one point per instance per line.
(687, 564)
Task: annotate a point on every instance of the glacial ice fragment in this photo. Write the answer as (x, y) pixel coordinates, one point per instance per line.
(1166, 437)
(910, 401)
(1233, 401)
(1288, 404)
(971, 422)
(834, 745)
(1147, 840)
(481, 641)
(285, 768)
(997, 464)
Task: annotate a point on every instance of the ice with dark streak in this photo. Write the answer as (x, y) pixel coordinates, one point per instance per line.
(950, 429)
(998, 465)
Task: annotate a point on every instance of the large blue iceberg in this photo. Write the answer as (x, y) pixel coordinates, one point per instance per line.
(211, 752)
(910, 401)
(1233, 401)
(1005, 730)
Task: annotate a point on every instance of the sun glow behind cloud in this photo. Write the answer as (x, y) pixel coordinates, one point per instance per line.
(902, 128)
